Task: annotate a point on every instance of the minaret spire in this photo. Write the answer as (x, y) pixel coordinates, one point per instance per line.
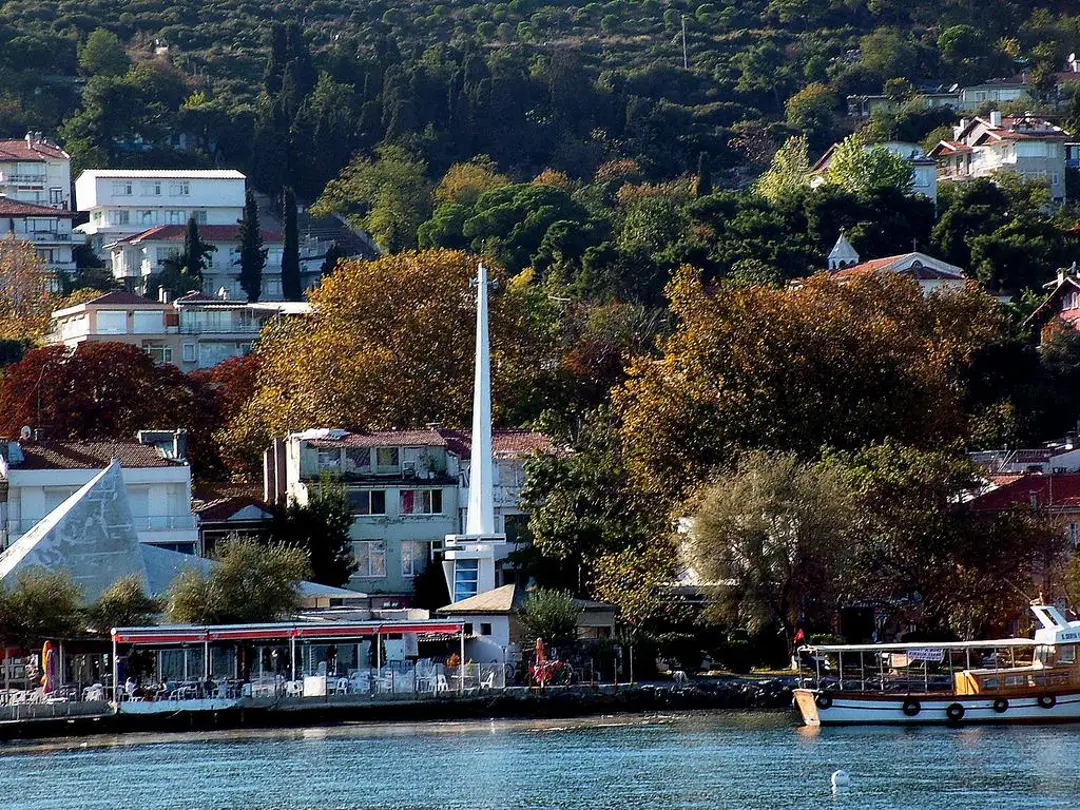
(480, 517)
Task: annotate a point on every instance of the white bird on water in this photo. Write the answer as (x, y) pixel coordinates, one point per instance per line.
(840, 780)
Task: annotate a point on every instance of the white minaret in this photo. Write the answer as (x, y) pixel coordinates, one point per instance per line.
(480, 514)
(469, 559)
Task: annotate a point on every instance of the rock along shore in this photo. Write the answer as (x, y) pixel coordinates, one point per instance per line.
(516, 702)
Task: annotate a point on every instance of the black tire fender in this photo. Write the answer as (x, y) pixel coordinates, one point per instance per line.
(1001, 705)
(1047, 701)
(912, 707)
(954, 712)
(823, 700)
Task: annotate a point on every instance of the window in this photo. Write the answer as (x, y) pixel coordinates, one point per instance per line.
(121, 188)
(421, 501)
(56, 196)
(329, 459)
(146, 217)
(468, 628)
(152, 188)
(189, 352)
(159, 352)
(370, 559)
(121, 217)
(174, 217)
(181, 189)
(485, 628)
(1073, 535)
(367, 501)
(386, 457)
(413, 557)
(200, 217)
(466, 580)
(358, 460)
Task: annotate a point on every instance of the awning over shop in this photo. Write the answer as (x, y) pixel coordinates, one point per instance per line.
(189, 634)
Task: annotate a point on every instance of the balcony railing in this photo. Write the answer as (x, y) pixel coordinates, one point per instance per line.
(47, 236)
(143, 523)
(22, 179)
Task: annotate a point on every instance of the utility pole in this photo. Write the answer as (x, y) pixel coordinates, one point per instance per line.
(685, 61)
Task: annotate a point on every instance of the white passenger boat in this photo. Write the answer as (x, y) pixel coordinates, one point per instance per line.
(1002, 681)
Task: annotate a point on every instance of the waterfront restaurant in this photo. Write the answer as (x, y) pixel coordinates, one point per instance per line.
(293, 659)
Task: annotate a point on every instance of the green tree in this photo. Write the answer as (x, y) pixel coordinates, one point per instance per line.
(551, 615)
(774, 532)
(320, 528)
(122, 604)
(252, 258)
(39, 606)
(103, 54)
(788, 173)
(183, 273)
(389, 197)
(863, 169)
(249, 582)
(292, 287)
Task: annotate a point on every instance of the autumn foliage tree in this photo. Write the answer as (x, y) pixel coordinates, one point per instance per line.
(389, 344)
(25, 303)
(834, 363)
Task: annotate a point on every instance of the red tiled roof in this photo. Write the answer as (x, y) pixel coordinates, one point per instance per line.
(921, 272)
(208, 233)
(17, 208)
(19, 149)
(1058, 491)
(95, 455)
(504, 441)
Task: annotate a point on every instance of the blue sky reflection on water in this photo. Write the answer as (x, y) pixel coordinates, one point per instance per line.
(715, 761)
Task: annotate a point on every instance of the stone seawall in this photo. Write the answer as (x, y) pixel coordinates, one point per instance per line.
(520, 702)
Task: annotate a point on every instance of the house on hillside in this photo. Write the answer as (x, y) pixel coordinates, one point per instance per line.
(35, 170)
(133, 259)
(931, 274)
(923, 167)
(192, 332)
(1061, 307)
(408, 490)
(125, 202)
(1032, 146)
(1053, 494)
(47, 229)
(37, 476)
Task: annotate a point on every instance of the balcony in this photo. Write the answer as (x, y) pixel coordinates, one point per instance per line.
(47, 236)
(22, 179)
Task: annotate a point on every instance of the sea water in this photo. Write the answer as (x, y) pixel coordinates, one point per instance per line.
(714, 760)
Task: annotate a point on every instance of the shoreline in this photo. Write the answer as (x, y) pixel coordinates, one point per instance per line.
(512, 703)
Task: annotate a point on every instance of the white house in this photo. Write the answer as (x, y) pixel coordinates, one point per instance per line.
(126, 202)
(194, 331)
(48, 229)
(1029, 145)
(924, 168)
(35, 170)
(135, 257)
(38, 476)
(408, 490)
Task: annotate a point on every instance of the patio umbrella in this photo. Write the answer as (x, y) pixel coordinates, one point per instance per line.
(48, 668)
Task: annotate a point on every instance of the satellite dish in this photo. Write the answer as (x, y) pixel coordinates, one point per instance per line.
(25, 433)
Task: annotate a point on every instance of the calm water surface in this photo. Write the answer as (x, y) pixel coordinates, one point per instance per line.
(687, 761)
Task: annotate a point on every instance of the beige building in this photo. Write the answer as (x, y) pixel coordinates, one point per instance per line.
(192, 332)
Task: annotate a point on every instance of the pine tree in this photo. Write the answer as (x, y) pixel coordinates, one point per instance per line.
(252, 253)
(291, 286)
(703, 182)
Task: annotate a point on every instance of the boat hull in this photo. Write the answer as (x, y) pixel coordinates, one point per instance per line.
(176, 706)
(823, 708)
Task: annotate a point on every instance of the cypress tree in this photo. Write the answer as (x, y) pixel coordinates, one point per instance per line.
(252, 253)
(334, 254)
(703, 182)
(291, 286)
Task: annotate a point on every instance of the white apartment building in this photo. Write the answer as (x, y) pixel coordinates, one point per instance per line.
(36, 477)
(134, 258)
(48, 229)
(192, 332)
(124, 202)
(35, 170)
(408, 490)
(1029, 145)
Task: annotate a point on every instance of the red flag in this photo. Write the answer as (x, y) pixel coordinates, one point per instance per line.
(799, 636)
